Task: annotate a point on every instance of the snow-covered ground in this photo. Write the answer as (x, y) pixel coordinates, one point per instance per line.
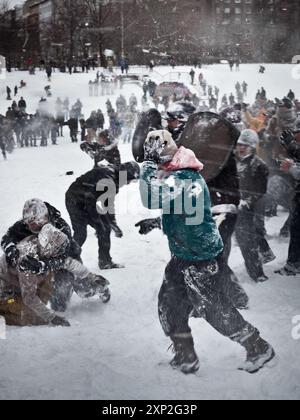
(118, 351)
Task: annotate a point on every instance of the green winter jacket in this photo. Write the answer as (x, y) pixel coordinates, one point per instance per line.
(187, 220)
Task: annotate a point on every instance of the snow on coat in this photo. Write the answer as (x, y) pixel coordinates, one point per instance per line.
(182, 194)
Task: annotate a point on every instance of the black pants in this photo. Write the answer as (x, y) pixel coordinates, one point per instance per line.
(230, 285)
(248, 240)
(194, 287)
(2, 148)
(294, 249)
(73, 135)
(263, 245)
(82, 217)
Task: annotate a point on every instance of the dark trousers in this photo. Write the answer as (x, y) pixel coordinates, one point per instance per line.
(263, 245)
(2, 148)
(294, 249)
(230, 285)
(73, 135)
(248, 240)
(190, 287)
(82, 217)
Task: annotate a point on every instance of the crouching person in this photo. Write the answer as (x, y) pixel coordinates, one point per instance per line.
(171, 178)
(36, 214)
(25, 291)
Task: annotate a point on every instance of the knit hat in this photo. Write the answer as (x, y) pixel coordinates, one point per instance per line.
(52, 241)
(35, 211)
(248, 138)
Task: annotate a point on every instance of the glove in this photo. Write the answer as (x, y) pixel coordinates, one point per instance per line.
(59, 321)
(152, 151)
(118, 232)
(287, 138)
(146, 226)
(32, 265)
(54, 264)
(12, 255)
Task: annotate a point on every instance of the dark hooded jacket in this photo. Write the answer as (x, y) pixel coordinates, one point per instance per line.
(20, 231)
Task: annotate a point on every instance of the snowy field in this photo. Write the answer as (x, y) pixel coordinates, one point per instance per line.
(118, 351)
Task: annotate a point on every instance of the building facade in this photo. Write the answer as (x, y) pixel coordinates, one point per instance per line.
(188, 30)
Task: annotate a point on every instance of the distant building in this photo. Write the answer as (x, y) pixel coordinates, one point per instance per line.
(191, 31)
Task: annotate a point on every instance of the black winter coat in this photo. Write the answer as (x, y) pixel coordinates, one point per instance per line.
(20, 231)
(253, 175)
(294, 152)
(224, 189)
(84, 189)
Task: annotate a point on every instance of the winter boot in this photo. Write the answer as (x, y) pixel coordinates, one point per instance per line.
(267, 257)
(259, 353)
(289, 270)
(185, 358)
(93, 285)
(109, 265)
(262, 279)
(102, 288)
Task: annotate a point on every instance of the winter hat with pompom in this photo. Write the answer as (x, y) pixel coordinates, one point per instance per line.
(35, 211)
(248, 138)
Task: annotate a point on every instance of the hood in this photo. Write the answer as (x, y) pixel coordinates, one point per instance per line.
(184, 159)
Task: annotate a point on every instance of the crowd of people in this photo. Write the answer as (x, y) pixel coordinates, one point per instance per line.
(261, 174)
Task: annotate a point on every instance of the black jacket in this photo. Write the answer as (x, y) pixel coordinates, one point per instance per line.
(20, 231)
(82, 196)
(253, 175)
(84, 189)
(294, 152)
(224, 189)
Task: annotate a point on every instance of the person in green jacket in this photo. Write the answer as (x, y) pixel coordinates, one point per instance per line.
(171, 181)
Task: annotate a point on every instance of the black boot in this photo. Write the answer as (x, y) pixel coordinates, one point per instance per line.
(185, 358)
(259, 353)
(109, 265)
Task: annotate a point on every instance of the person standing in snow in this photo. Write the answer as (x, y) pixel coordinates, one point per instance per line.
(22, 105)
(291, 95)
(231, 99)
(8, 93)
(73, 125)
(2, 146)
(253, 176)
(191, 279)
(192, 74)
(245, 88)
(292, 167)
(49, 72)
(84, 202)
